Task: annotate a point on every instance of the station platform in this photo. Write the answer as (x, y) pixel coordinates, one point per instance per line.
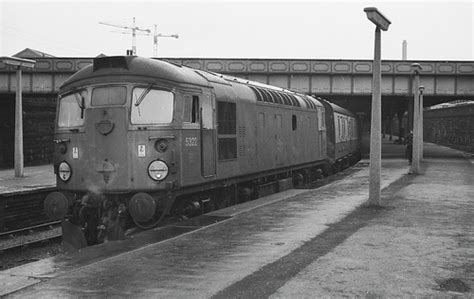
(34, 178)
(295, 244)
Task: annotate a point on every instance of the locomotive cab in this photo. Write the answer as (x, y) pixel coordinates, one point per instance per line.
(106, 130)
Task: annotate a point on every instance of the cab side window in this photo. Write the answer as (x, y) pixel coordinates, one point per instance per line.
(191, 109)
(195, 110)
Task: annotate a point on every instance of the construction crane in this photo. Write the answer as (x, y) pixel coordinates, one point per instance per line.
(130, 30)
(156, 35)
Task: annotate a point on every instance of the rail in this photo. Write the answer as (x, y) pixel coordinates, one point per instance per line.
(30, 235)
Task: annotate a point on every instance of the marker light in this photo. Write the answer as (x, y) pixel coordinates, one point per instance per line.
(158, 170)
(64, 171)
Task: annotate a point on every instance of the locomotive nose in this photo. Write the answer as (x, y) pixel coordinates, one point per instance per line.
(104, 127)
(106, 149)
(108, 170)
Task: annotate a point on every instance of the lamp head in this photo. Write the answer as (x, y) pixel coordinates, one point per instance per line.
(377, 18)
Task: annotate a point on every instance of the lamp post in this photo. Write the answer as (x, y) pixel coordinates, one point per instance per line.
(415, 164)
(381, 23)
(18, 63)
(421, 89)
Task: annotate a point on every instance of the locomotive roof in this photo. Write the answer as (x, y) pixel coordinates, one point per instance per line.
(134, 66)
(108, 69)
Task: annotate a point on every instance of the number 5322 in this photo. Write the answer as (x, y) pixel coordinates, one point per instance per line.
(191, 141)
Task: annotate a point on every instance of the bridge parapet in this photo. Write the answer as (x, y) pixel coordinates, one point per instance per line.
(301, 66)
(323, 77)
(53, 65)
(47, 76)
(346, 77)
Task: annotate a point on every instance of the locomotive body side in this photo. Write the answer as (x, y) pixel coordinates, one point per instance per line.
(288, 135)
(256, 136)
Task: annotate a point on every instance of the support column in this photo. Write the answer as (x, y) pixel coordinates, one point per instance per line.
(18, 126)
(421, 88)
(415, 165)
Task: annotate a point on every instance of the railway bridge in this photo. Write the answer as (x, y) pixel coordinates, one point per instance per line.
(341, 81)
(345, 82)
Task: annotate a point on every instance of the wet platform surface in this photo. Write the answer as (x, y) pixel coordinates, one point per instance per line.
(298, 243)
(34, 178)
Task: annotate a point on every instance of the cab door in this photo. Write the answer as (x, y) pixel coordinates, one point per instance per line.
(208, 143)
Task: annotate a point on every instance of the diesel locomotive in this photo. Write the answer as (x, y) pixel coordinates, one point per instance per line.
(138, 139)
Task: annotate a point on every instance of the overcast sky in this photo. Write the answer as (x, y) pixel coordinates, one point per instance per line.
(434, 30)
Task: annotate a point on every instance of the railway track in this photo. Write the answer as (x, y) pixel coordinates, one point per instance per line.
(30, 235)
(19, 210)
(23, 221)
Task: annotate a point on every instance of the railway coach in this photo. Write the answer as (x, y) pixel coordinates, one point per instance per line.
(138, 139)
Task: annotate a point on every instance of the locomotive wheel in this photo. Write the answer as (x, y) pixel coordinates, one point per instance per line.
(161, 208)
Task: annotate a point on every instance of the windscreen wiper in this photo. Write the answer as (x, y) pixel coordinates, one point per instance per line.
(81, 103)
(143, 94)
